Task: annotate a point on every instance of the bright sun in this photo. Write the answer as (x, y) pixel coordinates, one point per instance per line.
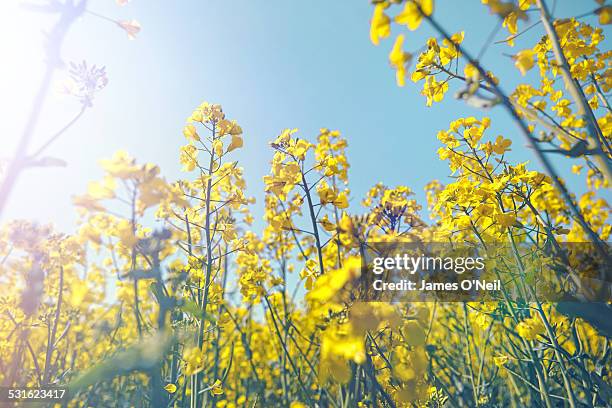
(22, 63)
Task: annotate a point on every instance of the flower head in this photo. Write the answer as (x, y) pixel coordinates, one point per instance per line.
(131, 27)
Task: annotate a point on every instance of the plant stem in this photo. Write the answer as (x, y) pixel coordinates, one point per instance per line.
(313, 219)
(51, 340)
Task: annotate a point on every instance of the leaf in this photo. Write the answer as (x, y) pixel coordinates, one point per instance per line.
(141, 356)
(191, 308)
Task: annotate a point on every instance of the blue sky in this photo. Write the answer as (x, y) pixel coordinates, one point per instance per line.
(272, 64)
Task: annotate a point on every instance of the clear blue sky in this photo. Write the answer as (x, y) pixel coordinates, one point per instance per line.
(272, 64)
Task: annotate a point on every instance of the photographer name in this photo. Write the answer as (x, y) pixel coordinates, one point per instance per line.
(426, 286)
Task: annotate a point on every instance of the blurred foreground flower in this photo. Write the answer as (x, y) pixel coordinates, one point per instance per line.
(85, 81)
(132, 27)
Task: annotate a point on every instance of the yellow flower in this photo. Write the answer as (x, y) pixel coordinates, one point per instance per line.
(529, 329)
(327, 194)
(218, 147)
(284, 137)
(501, 145)
(510, 22)
(131, 28)
(171, 388)
(194, 361)
(123, 230)
(380, 26)
(235, 143)
(188, 157)
(121, 165)
(505, 219)
(341, 201)
(605, 15)
(102, 190)
(299, 149)
(500, 361)
(216, 388)
(191, 133)
(427, 6)
(411, 16)
(449, 52)
(505, 8)
(524, 61)
(470, 71)
(434, 90)
(400, 60)
(196, 116)
(326, 286)
(339, 346)
(562, 108)
(309, 273)
(327, 224)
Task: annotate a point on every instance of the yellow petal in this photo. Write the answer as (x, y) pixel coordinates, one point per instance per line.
(380, 26)
(171, 388)
(524, 61)
(427, 6)
(236, 143)
(217, 388)
(410, 16)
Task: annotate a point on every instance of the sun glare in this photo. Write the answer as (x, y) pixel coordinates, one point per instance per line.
(21, 66)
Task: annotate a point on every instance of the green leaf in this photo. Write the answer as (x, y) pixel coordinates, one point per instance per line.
(193, 309)
(141, 356)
